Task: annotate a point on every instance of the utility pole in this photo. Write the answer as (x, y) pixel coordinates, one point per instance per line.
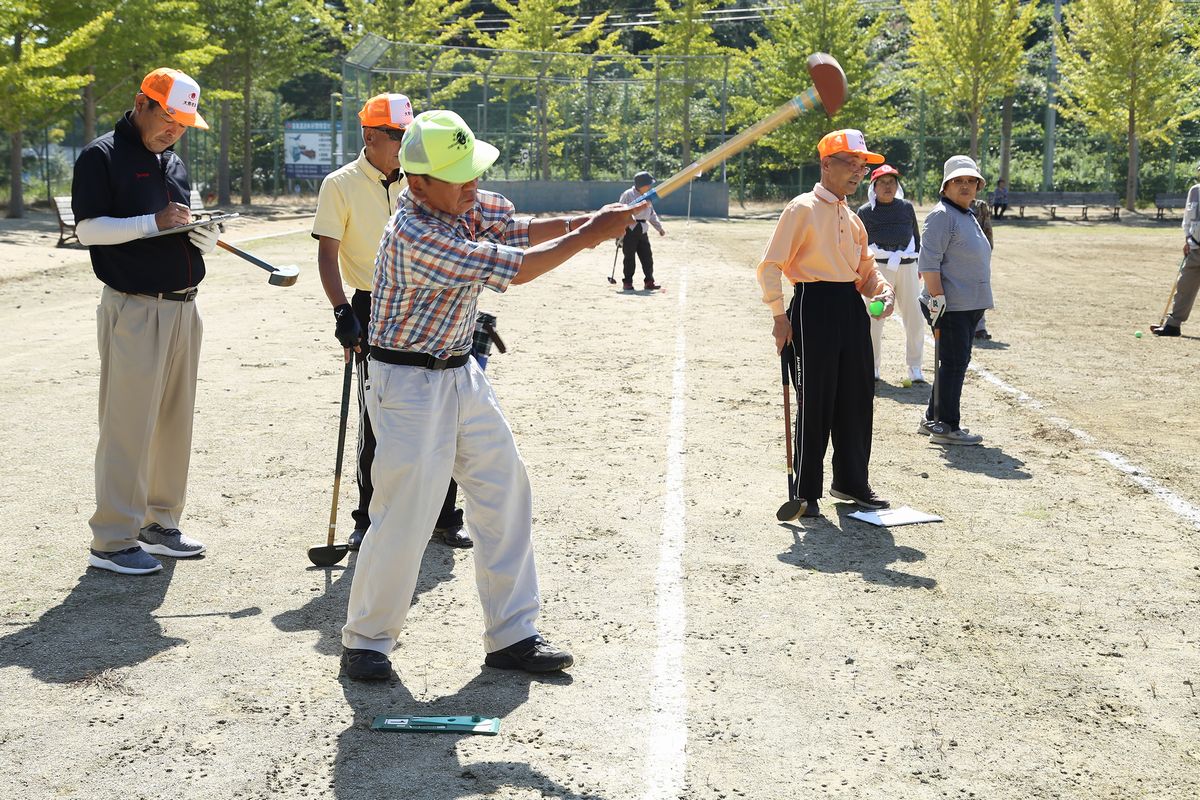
(1051, 117)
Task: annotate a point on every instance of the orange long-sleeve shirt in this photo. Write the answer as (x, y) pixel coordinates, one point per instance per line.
(817, 238)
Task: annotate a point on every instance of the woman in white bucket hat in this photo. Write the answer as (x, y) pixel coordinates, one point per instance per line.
(955, 264)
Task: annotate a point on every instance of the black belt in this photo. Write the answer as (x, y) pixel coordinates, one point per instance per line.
(182, 297)
(902, 261)
(406, 359)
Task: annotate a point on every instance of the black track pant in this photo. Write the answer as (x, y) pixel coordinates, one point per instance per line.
(450, 517)
(832, 337)
(637, 242)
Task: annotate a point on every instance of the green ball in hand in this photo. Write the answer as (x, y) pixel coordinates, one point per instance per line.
(876, 308)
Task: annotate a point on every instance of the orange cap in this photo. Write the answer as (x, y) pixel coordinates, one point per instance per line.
(387, 111)
(178, 95)
(847, 141)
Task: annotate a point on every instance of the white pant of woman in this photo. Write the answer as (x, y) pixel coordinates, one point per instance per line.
(905, 281)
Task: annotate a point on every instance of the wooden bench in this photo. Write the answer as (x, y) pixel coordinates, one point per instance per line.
(66, 221)
(1164, 201)
(1056, 200)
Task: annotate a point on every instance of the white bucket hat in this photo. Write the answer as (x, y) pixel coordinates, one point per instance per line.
(957, 166)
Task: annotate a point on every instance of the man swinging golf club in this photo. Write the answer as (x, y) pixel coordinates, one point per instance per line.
(127, 184)
(434, 412)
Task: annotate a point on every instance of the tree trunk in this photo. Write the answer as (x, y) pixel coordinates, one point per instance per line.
(247, 145)
(1006, 123)
(687, 112)
(16, 202)
(543, 137)
(89, 107)
(1131, 177)
(223, 157)
(973, 119)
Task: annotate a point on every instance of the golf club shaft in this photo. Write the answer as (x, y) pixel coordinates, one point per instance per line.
(613, 272)
(341, 447)
(255, 260)
(1171, 296)
(937, 370)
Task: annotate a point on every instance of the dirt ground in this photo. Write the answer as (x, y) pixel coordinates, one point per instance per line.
(1039, 643)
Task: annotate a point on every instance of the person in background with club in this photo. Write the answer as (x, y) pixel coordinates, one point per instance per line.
(956, 265)
(434, 411)
(895, 238)
(129, 183)
(821, 247)
(353, 206)
(1188, 280)
(636, 240)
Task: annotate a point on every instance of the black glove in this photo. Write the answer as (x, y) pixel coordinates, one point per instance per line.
(348, 331)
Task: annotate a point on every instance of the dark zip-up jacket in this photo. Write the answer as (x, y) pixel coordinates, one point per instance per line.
(116, 176)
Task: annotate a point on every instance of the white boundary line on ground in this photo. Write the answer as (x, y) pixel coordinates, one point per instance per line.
(267, 236)
(666, 754)
(1119, 462)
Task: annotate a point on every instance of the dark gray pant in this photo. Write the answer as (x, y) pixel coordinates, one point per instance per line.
(957, 335)
(1185, 292)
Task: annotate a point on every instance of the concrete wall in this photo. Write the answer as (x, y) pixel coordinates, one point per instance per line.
(533, 197)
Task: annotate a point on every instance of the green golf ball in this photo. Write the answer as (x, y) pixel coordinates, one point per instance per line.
(906, 383)
(876, 308)
(1138, 334)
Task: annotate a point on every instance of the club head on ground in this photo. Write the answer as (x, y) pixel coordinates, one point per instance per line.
(787, 512)
(611, 279)
(829, 80)
(328, 555)
(284, 276)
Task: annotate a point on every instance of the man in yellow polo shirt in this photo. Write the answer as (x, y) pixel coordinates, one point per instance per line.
(820, 246)
(353, 207)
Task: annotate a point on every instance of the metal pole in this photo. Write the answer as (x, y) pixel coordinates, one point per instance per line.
(587, 126)
(724, 112)
(278, 148)
(1051, 119)
(46, 165)
(657, 108)
(333, 98)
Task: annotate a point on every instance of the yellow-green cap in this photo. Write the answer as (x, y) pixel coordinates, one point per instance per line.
(441, 145)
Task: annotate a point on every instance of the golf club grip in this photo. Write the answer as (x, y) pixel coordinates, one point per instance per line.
(806, 101)
(255, 260)
(344, 415)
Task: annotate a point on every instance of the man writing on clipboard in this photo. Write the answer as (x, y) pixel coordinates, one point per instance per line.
(127, 185)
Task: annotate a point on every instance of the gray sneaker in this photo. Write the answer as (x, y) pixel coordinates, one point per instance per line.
(960, 436)
(131, 561)
(929, 427)
(160, 541)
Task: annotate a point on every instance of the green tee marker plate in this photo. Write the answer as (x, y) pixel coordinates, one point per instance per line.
(487, 726)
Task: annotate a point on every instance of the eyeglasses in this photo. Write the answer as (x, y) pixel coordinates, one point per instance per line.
(865, 169)
(167, 118)
(395, 134)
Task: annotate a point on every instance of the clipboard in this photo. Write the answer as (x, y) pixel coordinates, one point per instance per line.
(213, 220)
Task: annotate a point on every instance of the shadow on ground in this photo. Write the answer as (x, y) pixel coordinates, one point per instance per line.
(850, 545)
(983, 460)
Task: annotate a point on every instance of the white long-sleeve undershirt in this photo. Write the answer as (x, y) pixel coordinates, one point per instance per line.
(114, 230)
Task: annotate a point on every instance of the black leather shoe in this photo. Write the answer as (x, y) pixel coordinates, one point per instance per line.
(811, 509)
(453, 537)
(356, 539)
(365, 665)
(863, 499)
(1165, 330)
(534, 654)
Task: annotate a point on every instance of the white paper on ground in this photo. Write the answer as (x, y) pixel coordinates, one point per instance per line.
(891, 517)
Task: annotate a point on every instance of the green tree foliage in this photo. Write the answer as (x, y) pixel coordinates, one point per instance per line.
(419, 21)
(169, 33)
(33, 83)
(1127, 73)
(545, 26)
(684, 45)
(969, 52)
(265, 42)
(844, 30)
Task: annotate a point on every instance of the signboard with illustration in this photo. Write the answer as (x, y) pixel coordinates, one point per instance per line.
(306, 146)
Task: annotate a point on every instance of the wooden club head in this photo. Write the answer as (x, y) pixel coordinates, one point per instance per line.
(829, 80)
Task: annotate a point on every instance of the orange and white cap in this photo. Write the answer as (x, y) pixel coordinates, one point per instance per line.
(847, 141)
(387, 111)
(178, 94)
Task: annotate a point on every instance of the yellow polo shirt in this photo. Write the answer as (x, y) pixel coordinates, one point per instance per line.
(818, 238)
(353, 207)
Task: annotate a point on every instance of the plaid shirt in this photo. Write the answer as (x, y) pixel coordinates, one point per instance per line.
(431, 267)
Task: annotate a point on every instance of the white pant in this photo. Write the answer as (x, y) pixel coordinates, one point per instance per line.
(431, 425)
(906, 282)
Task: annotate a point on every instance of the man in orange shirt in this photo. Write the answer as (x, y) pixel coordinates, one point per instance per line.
(820, 246)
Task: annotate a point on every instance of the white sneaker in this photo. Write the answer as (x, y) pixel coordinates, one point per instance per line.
(961, 436)
(915, 375)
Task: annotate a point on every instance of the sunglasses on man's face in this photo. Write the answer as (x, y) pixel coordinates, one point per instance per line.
(395, 134)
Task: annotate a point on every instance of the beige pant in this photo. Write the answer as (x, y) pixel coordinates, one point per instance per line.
(431, 426)
(906, 283)
(149, 351)
(1185, 292)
